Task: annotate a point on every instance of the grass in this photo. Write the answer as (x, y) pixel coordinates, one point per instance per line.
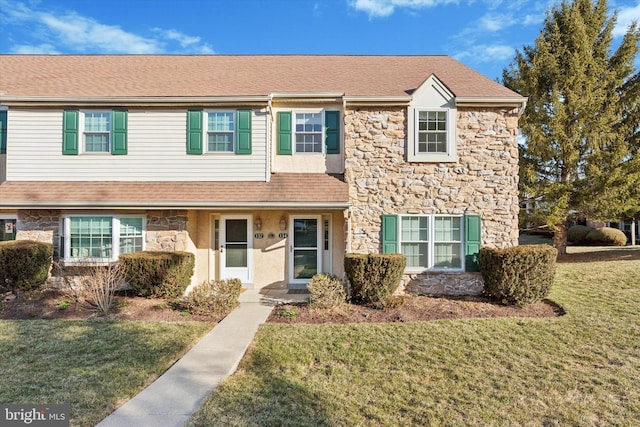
(577, 370)
(93, 365)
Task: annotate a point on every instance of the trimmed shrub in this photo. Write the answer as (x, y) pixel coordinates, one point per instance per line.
(519, 275)
(578, 234)
(326, 291)
(606, 236)
(157, 273)
(24, 265)
(373, 277)
(214, 297)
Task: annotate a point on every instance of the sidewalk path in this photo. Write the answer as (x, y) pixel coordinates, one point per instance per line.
(171, 399)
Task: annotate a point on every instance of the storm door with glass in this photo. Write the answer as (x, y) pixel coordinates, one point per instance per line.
(235, 248)
(305, 248)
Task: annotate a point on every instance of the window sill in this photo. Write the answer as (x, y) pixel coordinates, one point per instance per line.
(433, 270)
(87, 262)
(432, 158)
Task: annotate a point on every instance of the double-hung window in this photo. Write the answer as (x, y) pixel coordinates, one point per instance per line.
(432, 131)
(101, 237)
(220, 131)
(308, 132)
(97, 132)
(430, 241)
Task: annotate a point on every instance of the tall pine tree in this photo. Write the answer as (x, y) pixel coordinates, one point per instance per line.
(581, 122)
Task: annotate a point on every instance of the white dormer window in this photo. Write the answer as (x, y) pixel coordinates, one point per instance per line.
(432, 124)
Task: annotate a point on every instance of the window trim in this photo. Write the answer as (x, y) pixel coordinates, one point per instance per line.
(431, 242)
(115, 237)
(413, 154)
(82, 132)
(205, 131)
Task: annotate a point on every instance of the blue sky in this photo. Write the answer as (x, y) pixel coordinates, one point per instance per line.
(481, 33)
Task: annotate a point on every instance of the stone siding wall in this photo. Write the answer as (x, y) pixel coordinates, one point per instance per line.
(39, 225)
(483, 181)
(167, 231)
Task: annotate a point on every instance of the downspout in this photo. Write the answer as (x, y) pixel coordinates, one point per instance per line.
(343, 155)
(269, 148)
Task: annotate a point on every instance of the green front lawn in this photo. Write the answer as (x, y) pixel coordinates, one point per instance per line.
(93, 365)
(577, 370)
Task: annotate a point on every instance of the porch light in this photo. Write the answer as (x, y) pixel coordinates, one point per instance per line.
(283, 223)
(258, 223)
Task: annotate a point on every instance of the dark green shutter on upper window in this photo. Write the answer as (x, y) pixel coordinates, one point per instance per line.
(194, 132)
(70, 120)
(243, 132)
(119, 132)
(3, 132)
(473, 237)
(389, 234)
(285, 145)
(332, 131)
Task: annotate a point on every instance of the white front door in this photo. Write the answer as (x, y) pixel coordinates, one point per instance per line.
(305, 248)
(236, 260)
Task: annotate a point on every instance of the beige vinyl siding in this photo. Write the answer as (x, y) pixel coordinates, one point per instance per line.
(156, 151)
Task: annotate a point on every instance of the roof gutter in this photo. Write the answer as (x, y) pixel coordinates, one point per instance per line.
(155, 101)
(377, 100)
(98, 205)
(472, 101)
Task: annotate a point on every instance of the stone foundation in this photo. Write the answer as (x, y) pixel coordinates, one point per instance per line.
(443, 283)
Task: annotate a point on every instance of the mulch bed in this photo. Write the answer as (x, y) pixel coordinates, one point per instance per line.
(48, 305)
(415, 308)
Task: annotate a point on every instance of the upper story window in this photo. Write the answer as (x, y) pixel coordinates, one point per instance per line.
(220, 131)
(97, 132)
(310, 131)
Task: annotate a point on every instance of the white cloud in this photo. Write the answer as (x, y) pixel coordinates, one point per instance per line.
(496, 22)
(70, 32)
(484, 53)
(384, 8)
(626, 16)
(44, 48)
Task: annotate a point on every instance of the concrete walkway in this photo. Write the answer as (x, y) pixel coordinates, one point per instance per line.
(171, 399)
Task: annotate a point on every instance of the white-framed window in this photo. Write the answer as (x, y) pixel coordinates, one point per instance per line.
(96, 131)
(432, 135)
(432, 242)
(101, 237)
(308, 131)
(220, 134)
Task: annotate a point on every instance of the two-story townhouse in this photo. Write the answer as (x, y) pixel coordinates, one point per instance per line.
(268, 168)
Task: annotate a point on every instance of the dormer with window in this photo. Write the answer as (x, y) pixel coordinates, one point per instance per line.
(432, 124)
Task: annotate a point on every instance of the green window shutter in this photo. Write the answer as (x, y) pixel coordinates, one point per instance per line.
(243, 132)
(70, 120)
(389, 234)
(194, 132)
(473, 237)
(119, 131)
(285, 145)
(332, 131)
(3, 132)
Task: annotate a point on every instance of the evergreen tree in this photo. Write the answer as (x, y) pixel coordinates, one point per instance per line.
(581, 122)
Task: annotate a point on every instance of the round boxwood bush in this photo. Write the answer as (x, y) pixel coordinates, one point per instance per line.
(606, 236)
(578, 234)
(373, 277)
(24, 265)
